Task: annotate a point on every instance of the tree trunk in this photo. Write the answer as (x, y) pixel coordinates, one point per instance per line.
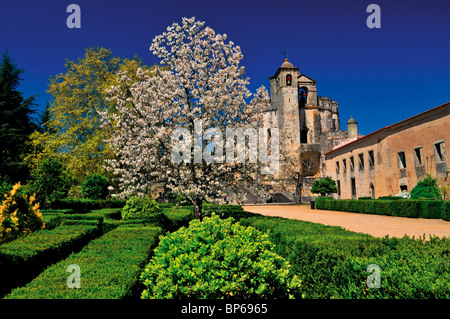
(298, 189)
(198, 206)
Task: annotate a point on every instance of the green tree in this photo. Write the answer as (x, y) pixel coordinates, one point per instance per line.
(72, 128)
(49, 181)
(324, 186)
(428, 188)
(95, 186)
(16, 124)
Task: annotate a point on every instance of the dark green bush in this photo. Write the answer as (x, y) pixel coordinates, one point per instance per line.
(95, 186)
(217, 258)
(445, 213)
(401, 207)
(177, 218)
(426, 189)
(110, 268)
(50, 181)
(85, 205)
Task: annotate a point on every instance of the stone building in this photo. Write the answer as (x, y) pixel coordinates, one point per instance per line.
(394, 158)
(309, 126)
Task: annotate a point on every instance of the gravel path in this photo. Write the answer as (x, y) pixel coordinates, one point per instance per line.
(375, 225)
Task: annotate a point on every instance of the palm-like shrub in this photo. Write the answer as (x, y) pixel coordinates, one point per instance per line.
(217, 258)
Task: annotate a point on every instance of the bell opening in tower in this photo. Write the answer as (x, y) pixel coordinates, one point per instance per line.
(288, 80)
(302, 96)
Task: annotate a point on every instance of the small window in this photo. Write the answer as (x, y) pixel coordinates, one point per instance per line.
(337, 168)
(403, 188)
(352, 164)
(353, 187)
(371, 160)
(401, 160)
(361, 162)
(339, 187)
(344, 166)
(288, 80)
(418, 156)
(440, 152)
(304, 135)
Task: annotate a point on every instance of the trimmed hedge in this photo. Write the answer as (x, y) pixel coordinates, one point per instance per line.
(332, 262)
(22, 259)
(402, 208)
(109, 268)
(85, 205)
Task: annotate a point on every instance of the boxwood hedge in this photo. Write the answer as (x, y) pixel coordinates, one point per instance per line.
(109, 268)
(22, 259)
(332, 262)
(401, 207)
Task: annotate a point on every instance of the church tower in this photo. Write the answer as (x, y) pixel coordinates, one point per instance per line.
(308, 124)
(285, 100)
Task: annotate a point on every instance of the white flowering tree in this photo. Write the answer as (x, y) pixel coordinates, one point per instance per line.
(200, 87)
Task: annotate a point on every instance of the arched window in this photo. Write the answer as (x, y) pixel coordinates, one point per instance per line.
(303, 96)
(372, 191)
(288, 80)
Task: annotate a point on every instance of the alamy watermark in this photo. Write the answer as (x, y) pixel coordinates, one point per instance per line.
(255, 150)
(374, 280)
(74, 280)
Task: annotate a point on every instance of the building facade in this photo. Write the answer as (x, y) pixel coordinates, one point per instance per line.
(394, 158)
(313, 145)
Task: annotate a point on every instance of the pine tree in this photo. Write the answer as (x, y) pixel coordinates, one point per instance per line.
(15, 122)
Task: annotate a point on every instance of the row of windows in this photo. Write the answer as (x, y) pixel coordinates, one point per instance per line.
(353, 188)
(439, 155)
(361, 163)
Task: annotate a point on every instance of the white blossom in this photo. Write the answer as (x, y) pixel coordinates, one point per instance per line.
(200, 78)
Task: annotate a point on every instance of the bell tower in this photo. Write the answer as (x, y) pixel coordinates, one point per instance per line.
(285, 99)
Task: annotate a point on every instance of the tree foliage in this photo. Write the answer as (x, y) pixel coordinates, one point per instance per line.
(15, 122)
(95, 186)
(71, 122)
(324, 186)
(427, 188)
(202, 80)
(49, 181)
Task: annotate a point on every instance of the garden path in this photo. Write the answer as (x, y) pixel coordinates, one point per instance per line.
(375, 225)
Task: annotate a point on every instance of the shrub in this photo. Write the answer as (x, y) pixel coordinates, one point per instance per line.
(445, 213)
(324, 186)
(5, 187)
(19, 215)
(426, 189)
(95, 186)
(140, 208)
(217, 258)
(49, 181)
(389, 207)
(85, 205)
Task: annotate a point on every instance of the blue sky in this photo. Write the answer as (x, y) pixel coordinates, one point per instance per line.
(379, 76)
